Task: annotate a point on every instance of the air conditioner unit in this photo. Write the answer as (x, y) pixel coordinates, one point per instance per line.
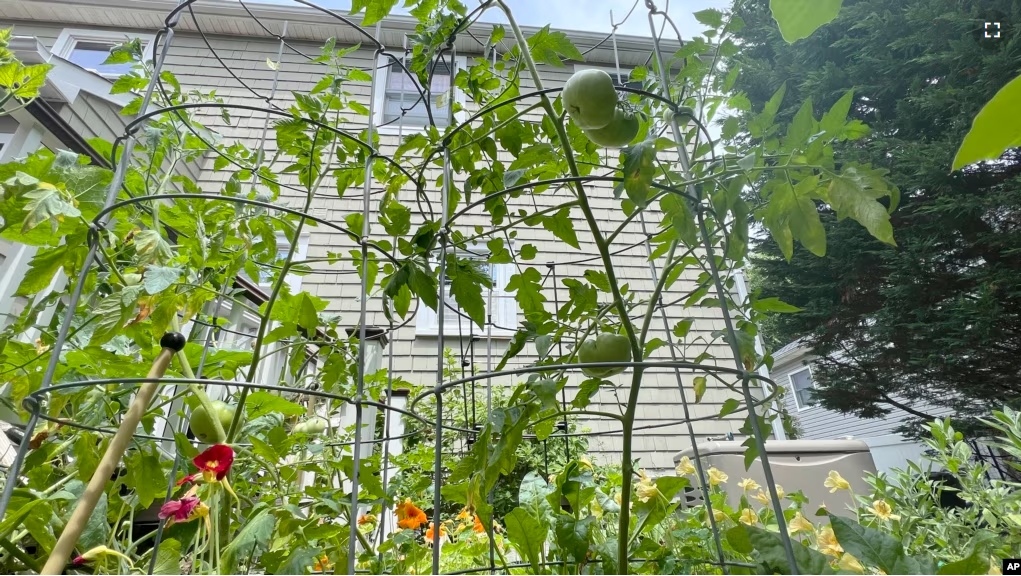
(796, 465)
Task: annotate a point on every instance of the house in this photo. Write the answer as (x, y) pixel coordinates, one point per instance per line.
(226, 45)
(792, 369)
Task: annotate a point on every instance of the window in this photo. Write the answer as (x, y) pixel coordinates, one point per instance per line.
(397, 96)
(283, 246)
(501, 308)
(803, 387)
(90, 48)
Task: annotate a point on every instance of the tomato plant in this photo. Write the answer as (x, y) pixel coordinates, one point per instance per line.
(290, 484)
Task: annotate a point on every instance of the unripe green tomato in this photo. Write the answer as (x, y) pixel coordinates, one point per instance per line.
(620, 132)
(590, 98)
(604, 348)
(314, 425)
(202, 425)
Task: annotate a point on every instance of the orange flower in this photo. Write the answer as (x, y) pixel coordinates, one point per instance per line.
(366, 519)
(464, 514)
(322, 564)
(429, 534)
(410, 516)
(478, 527)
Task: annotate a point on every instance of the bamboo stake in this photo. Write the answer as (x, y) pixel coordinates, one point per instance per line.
(171, 343)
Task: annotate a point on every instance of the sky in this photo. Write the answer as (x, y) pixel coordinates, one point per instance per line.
(590, 15)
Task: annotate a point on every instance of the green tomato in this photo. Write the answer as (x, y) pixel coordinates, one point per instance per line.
(202, 425)
(620, 132)
(590, 98)
(314, 425)
(605, 348)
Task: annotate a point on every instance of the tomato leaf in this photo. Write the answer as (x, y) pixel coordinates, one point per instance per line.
(562, 227)
(798, 19)
(547, 47)
(262, 402)
(996, 128)
(639, 168)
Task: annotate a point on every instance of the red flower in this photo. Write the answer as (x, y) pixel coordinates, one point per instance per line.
(179, 510)
(213, 464)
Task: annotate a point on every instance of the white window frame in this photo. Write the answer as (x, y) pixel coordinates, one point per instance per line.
(70, 37)
(794, 391)
(403, 126)
(504, 313)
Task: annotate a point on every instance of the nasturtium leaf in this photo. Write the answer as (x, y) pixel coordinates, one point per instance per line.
(798, 19)
(995, 129)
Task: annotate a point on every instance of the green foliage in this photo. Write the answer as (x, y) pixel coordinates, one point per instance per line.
(995, 128)
(798, 19)
(905, 327)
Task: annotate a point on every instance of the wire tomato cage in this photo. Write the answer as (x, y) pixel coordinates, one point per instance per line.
(166, 112)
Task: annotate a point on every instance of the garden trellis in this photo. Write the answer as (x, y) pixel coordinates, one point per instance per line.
(308, 127)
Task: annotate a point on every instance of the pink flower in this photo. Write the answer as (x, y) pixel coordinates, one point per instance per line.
(179, 510)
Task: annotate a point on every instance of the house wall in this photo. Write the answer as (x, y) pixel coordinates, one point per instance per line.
(819, 423)
(415, 357)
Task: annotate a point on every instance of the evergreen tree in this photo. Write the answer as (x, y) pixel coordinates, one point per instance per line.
(934, 322)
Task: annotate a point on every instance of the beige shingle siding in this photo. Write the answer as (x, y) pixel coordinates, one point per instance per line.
(415, 357)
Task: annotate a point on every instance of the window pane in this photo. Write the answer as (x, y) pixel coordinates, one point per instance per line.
(401, 93)
(90, 55)
(803, 387)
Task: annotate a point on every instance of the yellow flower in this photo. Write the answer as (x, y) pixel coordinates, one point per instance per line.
(464, 514)
(616, 498)
(748, 484)
(799, 524)
(836, 482)
(850, 564)
(762, 497)
(646, 488)
(717, 477)
(718, 515)
(883, 511)
(779, 491)
(749, 517)
(584, 462)
(827, 542)
(685, 467)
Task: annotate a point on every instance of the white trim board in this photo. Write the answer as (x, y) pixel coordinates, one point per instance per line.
(69, 37)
